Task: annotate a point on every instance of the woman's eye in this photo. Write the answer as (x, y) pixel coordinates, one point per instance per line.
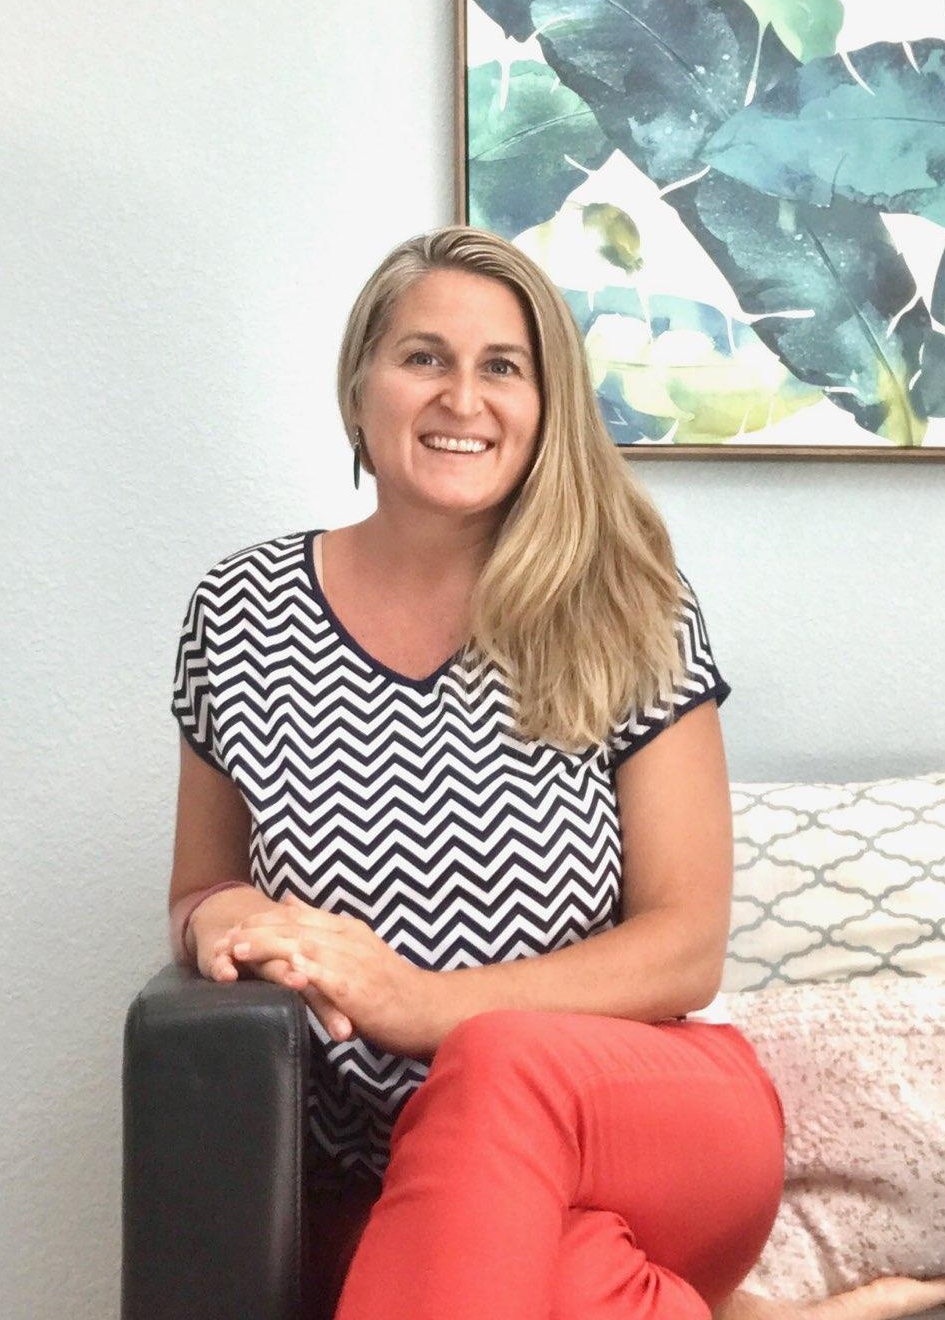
(422, 358)
(502, 367)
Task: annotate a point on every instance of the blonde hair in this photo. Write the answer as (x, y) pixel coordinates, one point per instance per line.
(578, 602)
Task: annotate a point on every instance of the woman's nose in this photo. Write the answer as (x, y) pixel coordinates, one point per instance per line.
(462, 392)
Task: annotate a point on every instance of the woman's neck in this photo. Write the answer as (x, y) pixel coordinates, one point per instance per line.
(432, 550)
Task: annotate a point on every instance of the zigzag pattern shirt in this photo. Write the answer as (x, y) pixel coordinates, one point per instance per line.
(408, 803)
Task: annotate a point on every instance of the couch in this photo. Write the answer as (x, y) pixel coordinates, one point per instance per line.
(835, 970)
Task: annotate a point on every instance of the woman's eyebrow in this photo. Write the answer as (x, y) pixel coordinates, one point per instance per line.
(509, 348)
(437, 341)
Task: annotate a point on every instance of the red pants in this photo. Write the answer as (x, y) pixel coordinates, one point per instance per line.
(567, 1167)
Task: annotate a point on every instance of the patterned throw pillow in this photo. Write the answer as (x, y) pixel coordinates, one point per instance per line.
(837, 881)
(860, 1069)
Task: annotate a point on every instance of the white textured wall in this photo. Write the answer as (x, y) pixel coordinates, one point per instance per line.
(191, 194)
(824, 588)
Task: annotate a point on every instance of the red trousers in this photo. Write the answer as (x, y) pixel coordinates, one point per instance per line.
(567, 1167)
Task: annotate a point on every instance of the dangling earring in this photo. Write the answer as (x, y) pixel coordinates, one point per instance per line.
(358, 443)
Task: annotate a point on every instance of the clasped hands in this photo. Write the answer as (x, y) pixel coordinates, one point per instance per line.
(353, 981)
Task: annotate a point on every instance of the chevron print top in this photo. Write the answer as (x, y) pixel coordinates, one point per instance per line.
(408, 803)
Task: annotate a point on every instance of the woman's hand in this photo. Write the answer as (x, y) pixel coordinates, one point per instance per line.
(342, 962)
(216, 963)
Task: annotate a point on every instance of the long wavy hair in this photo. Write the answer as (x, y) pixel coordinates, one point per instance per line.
(578, 601)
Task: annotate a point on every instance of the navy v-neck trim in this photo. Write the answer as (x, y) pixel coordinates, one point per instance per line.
(420, 684)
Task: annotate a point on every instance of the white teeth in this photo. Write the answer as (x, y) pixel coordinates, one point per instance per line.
(455, 444)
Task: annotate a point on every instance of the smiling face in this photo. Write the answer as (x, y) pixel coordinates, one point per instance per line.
(450, 404)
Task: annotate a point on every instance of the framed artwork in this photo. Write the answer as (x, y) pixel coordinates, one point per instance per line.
(742, 202)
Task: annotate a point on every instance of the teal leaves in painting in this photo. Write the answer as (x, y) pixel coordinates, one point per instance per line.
(661, 75)
(617, 302)
(931, 384)
(825, 288)
(937, 305)
(512, 17)
(875, 135)
(533, 128)
(778, 156)
(827, 291)
(807, 29)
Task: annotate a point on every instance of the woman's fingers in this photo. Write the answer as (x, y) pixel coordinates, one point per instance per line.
(257, 948)
(260, 945)
(338, 1025)
(290, 912)
(217, 965)
(222, 968)
(326, 979)
(282, 971)
(223, 964)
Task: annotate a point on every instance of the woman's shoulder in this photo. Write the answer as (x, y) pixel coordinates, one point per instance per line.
(275, 549)
(269, 558)
(691, 630)
(260, 574)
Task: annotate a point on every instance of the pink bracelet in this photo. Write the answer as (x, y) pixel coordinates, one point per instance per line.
(184, 909)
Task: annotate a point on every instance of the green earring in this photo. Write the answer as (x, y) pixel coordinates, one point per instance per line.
(358, 442)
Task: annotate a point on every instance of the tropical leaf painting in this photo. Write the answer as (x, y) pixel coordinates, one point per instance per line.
(812, 137)
(527, 122)
(743, 202)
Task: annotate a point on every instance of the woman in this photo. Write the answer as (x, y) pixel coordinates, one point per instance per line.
(455, 774)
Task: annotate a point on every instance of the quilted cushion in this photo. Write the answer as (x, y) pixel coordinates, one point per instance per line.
(837, 881)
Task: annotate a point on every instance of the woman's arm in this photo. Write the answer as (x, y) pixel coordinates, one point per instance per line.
(664, 960)
(211, 847)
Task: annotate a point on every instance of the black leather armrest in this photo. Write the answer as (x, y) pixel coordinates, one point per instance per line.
(214, 1115)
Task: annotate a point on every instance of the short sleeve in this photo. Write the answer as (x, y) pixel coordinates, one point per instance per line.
(700, 681)
(192, 703)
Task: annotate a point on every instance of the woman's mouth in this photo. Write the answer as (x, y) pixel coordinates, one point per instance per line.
(456, 444)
